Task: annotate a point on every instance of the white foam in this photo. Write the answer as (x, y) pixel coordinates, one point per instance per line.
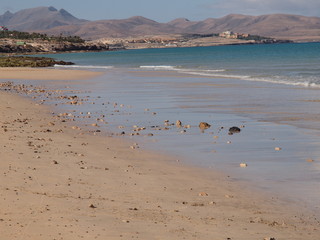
(271, 79)
(160, 67)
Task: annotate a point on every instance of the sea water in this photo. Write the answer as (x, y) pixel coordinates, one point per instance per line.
(270, 91)
(294, 64)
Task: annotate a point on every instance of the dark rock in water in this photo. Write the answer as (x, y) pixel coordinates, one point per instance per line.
(233, 130)
(26, 61)
(204, 125)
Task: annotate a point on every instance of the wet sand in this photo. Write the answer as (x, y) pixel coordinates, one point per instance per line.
(61, 182)
(45, 74)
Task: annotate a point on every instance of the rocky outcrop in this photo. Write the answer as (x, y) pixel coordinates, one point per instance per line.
(23, 61)
(49, 47)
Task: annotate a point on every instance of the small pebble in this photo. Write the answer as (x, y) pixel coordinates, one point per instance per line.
(203, 194)
(204, 125)
(243, 165)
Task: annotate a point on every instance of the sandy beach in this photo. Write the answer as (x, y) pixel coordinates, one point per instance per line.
(62, 182)
(44, 74)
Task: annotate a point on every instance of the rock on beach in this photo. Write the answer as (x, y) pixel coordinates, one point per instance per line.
(204, 125)
(233, 130)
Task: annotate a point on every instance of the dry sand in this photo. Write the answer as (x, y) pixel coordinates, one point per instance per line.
(57, 183)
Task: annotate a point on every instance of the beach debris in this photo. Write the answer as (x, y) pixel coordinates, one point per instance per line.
(203, 194)
(134, 146)
(234, 130)
(269, 238)
(243, 165)
(278, 148)
(92, 206)
(133, 209)
(229, 142)
(228, 196)
(197, 204)
(204, 125)
(310, 160)
(54, 162)
(178, 123)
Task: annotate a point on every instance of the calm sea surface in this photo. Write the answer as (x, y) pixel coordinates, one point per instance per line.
(271, 91)
(294, 64)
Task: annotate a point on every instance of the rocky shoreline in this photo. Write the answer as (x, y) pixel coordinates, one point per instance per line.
(180, 41)
(24, 61)
(36, 47)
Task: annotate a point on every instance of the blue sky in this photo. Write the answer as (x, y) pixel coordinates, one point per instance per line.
(167, 10)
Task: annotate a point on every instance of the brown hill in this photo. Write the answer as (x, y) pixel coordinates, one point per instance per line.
(35, 19)
(134, 26)
(281, 26)
(274, 25)
(52, 21)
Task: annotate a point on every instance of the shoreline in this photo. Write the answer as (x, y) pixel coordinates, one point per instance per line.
(60, 182)
(25, 73)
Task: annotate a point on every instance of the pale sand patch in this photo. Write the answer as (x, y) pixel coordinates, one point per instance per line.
(57, 184)
(45, 74)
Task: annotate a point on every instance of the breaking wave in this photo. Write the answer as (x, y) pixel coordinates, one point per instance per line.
(302, 81)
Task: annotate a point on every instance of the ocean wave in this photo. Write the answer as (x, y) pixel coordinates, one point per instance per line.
(303, 82)
(84, 66)
(223, 73)
(182, 70)
(160, 67)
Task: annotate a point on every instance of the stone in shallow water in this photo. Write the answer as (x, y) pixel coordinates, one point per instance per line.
(233, 130)
(243, 165)
(204, 125)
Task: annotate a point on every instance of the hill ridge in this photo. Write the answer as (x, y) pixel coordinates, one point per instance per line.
(52, 21)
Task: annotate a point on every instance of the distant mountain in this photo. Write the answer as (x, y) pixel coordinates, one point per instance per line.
(35, 19)
(134, 26)
(274, 25)
(50, 20)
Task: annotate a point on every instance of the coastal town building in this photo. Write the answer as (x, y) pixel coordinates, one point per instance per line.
(3, 28)
(232, 35)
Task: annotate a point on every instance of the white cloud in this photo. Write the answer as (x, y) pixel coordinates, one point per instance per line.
(258, 7)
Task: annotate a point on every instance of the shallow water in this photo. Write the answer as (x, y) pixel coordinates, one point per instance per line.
(147, 98)
(291, 64)
(272, 90)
